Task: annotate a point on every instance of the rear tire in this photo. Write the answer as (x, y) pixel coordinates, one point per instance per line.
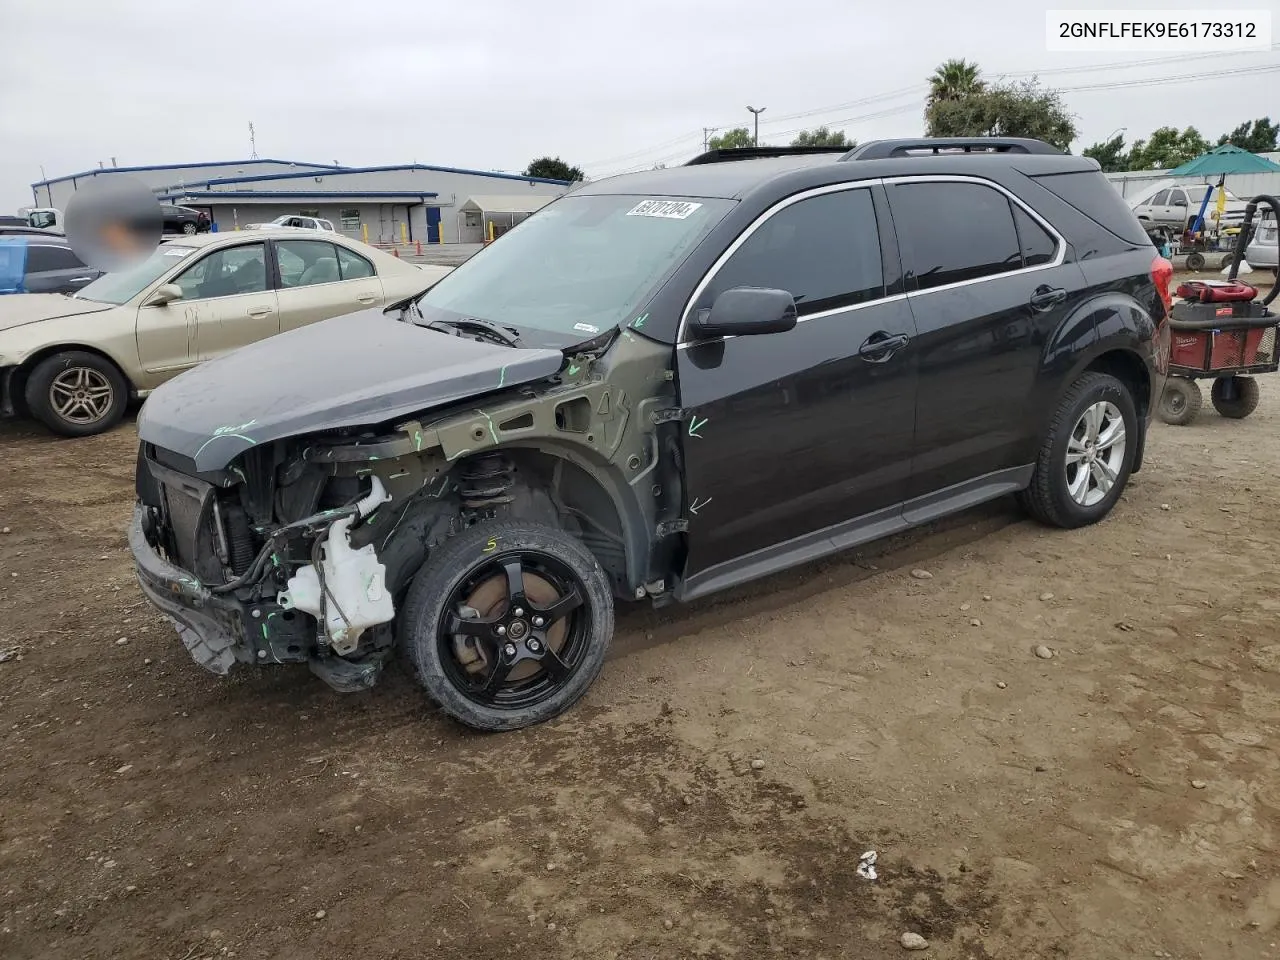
(77, 394)
(189, 229)
(1195, 261)
(1242, 402)
(1181, 401)
(1087, 454)
(521, 671)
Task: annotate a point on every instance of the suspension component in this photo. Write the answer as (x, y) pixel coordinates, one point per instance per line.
(485, 481)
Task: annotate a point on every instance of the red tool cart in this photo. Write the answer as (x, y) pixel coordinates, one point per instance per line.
(1220, 330)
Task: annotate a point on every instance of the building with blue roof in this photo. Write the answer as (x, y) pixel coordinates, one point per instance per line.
(384, 204)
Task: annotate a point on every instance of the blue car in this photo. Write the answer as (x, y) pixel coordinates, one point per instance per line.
(41, 264)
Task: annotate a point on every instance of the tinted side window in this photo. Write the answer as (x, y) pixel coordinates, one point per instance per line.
(1160, 199)
(42, 258)
(955, 231)
(824, 251)
(1093, 195)
(353, 265)
(1177, 198)
(1038, 245)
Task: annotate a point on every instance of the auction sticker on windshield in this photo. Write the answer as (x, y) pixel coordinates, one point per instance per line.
(666, 209)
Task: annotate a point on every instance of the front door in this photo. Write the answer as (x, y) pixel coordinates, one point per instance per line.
(988, 285)
(319, 280)
(227, 298)
(798, 442)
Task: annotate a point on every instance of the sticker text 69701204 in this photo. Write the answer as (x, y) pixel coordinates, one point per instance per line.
(666, 209)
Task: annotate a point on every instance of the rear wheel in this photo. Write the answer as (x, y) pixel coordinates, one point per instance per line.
(77, 393)
(1181, 401)
(189, 229)
(1087, 456)
(508, 624)
(1235, 397)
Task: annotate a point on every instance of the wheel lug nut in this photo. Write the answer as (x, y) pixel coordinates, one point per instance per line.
(537, 621)
(500, 630)
(509, 649)
(534, 645)
(518, 612)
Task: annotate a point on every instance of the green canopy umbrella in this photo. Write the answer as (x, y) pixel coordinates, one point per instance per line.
(1221, 162)
(1226, 160)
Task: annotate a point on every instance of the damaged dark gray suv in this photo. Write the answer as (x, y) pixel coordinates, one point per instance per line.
(659, 386)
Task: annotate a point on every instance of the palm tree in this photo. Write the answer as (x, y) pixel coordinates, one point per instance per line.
(953, 79)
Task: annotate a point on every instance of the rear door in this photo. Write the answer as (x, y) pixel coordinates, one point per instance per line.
(988, 282)
(797, 442)
(53, 268)
(319, 279)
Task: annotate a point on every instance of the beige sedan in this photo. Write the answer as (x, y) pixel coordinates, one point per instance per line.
(74, 362)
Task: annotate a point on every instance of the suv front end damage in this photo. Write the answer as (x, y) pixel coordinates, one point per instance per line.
(301, 549)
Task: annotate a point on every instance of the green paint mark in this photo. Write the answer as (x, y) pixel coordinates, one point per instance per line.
(502, 376)
(492, 432)
(638, 322)
(417, 436)
(219, 436)
(264, 631)
(695, 425)
(627, 335)
(239, 473)
(372, 459)
(573, 368)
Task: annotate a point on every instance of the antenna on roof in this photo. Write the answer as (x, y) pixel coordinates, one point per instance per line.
(253, 146)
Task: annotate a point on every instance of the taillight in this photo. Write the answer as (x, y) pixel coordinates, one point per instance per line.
(1162, 276)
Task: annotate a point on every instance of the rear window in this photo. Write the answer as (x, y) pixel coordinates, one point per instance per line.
(1093, 195)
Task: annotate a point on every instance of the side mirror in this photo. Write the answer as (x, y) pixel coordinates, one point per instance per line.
(743, 311)
(166, 293)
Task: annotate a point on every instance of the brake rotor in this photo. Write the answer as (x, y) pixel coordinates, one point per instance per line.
(489, 600)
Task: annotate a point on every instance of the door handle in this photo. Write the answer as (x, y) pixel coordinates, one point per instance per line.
(366, 297)
(882, 345)
(1046, 297)
(79, 279)
(258, 312)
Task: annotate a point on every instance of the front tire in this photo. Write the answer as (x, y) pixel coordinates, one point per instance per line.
(189, 229)
(1235, 397)
(508, 624)
(1087, 455)
(77, 394)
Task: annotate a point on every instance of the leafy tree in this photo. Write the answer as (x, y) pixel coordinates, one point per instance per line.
(737, 137)
(1110, 155)
(553, 168)
(822, 137)
(1256, 136)
(953, 79)
(1167, 148)
(1004, 110)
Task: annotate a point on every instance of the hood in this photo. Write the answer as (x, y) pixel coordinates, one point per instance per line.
(362, 368)
(20, 309)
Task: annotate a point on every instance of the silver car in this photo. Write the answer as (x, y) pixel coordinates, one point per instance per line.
(1262, 252)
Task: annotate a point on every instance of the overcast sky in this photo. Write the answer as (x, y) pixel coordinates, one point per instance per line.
(491, 84)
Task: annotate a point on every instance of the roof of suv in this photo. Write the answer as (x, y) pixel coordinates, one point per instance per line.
(734, 180)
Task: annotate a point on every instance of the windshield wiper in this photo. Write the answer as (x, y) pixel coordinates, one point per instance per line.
(494, 330)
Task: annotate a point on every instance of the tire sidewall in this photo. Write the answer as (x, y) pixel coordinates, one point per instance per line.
(1110, 389)
(41, 379)
(448, 566)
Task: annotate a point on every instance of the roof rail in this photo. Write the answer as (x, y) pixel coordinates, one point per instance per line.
(724, 154)
(883, 149)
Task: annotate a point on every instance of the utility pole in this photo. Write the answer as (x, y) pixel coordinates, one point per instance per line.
(756, 111)
(253, 146)
(706, 138)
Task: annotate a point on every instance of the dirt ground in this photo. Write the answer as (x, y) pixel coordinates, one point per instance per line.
(1121, 799)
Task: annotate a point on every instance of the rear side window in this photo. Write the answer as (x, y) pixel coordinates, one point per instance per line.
(1160, 199)
(352, 265)
(955, 231)
(1038, 245)
(42, 258)
(824, 251)
(1093, 195)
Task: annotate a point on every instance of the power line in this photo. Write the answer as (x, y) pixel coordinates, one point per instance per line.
(1135, 83)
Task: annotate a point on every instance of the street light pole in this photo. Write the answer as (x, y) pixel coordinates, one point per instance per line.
(756, 111)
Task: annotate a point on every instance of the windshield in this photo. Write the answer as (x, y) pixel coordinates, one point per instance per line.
(579, 266)
(121, 286)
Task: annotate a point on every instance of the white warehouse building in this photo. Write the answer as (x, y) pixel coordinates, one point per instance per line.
(392, 204)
